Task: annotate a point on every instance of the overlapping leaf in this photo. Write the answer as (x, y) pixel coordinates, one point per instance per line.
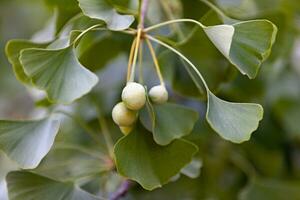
(139, 158)
(233, 121)
(58, 72)
(13, 49)
(104, 11)
(245, 44)
(29, 186)
(60, 163)
(170, 122)
(27, 142)
(212, 64)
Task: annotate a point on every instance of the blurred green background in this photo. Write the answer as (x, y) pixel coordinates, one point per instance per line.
(267, 167)
(18, 19)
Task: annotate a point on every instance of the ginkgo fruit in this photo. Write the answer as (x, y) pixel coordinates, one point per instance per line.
(134, 96)
(158, 94)
(126, 129)
(123, 116)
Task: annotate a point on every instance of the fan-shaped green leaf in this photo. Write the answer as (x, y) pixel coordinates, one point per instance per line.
(139, 158)
(13, 49)
(170, 122)
(58, 72)
(27, 142)
(233, 121)
(29, 186)
(245, 44)
(212, 64)
(104, 11)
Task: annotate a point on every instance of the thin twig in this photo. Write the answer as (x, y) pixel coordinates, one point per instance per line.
(122, 190)
(143, 13)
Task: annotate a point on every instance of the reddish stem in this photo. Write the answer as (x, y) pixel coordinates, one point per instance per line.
(122, 190)
(144, 7)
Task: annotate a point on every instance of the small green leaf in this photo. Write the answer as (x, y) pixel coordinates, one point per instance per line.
(27, 142)
(104, 11)
(233, 121)
(29, 186)
(245, 44)
(13, 49)
(181, 118)
(59, 73)
(139, 158)
(270, 190)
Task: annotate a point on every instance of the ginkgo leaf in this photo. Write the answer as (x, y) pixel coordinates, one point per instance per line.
(245, 44)
(27, 142)
(182, 119)
(60, 161)
(59, 73)
(233, 121)
(139, 158)
(104, 11)
(29, 186)
(13, 49)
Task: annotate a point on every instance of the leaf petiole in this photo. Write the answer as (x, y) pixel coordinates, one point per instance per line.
(182, 56)
(156, 64)
(84, 32)
(150, 28)
(96, 27)
(137, 45)
(141, 73)
(132, 50)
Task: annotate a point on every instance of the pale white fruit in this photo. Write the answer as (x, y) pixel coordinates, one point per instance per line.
(126, 129)
(122, 115)
(134, 96)
(158, 94)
